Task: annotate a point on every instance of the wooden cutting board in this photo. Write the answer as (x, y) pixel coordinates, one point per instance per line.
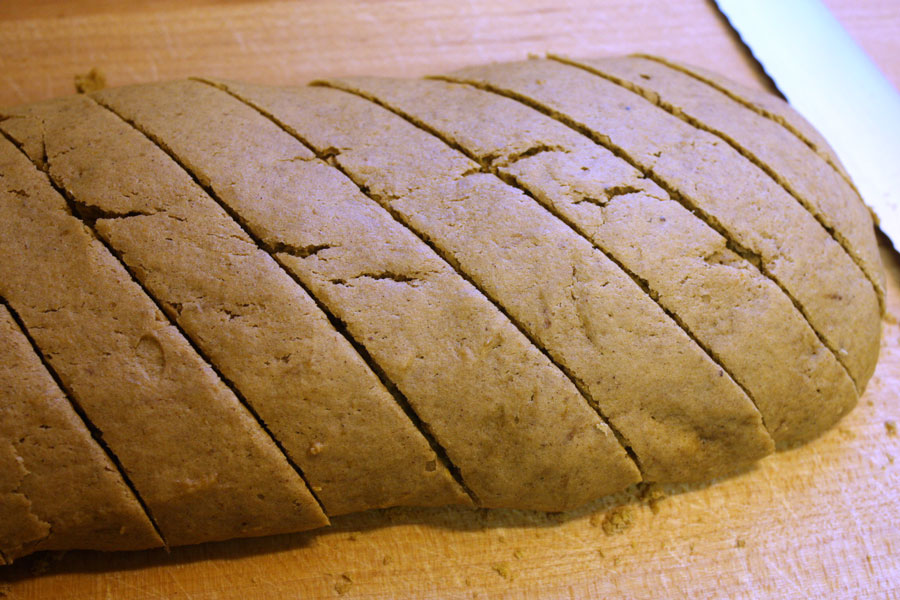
(819, 521)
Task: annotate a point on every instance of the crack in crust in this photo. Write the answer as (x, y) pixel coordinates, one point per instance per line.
(380, 276)
(299, 251)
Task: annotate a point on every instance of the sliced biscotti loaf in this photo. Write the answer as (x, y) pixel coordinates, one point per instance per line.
(722, 300)
(46, 450)
(264, 332)
(523, 285)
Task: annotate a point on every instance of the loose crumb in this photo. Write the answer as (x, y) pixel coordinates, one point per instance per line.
(652, 494)
(502, 569)
(740, 543)
(387, 560)
(344, 584)
(891, 428)
(518, 554)
(890, 319)
(617, 520)
(92, 81)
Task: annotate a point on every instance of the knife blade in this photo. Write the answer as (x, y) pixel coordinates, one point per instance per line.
(831, 81)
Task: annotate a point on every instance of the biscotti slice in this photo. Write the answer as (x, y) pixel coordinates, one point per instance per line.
(761, 220)
(764, 103)
(58, 489)
(203, 466)
(569, 298)
(266, 335)
(744, 319)
(519, 432)
(778, 152)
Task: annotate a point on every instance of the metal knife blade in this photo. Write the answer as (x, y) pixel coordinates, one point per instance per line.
(831, 81)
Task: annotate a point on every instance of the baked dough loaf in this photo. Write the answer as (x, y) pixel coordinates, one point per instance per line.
(233, 310)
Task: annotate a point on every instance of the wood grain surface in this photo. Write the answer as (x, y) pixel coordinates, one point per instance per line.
(820, 521)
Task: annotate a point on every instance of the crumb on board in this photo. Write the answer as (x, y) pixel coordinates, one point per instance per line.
(518, 554)
(889, 318)
(740, 543)
(617, 520)
(343, 584)
(652, 495)
(847, 433)
(891, 428)
(503, 570)
(92, 81)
